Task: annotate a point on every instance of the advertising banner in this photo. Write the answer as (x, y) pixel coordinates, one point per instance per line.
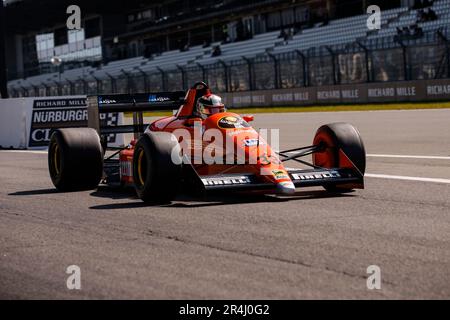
(30, 122)
(53, 113)
(379, 92)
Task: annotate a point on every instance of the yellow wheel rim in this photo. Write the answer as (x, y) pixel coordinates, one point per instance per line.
(56, 159)
(140, 175)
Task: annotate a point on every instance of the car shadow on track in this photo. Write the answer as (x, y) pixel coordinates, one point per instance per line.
(115, 193)
(33, 192)
(199, 201)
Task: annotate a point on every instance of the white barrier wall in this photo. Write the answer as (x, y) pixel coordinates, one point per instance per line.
(15, 122)
(29, 122)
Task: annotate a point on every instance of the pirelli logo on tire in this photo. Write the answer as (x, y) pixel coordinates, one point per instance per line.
(61, 112)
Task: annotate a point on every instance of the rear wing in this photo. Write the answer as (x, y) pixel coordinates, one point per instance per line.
(136, 103)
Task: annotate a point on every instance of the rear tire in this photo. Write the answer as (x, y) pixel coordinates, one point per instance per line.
(75, 159)
(337, 136)
(156, 176)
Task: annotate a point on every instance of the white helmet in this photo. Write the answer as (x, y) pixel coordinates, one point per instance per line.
(208, 105)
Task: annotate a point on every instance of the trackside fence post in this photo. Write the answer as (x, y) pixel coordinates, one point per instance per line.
(367, 60)
(202, 68)
(405, 60)
(304, 67)
(144, 78)
(276, 68)
(227, 76)
(251, 85)
(163, 78)
(183, 77)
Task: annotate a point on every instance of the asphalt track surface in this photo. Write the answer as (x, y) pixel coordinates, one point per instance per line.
(309, 246)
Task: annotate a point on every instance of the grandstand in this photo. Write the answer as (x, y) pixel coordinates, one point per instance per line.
(409, 17)
(170, 68)
(337, 32)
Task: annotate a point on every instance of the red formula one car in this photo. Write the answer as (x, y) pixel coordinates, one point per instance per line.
(201, 147)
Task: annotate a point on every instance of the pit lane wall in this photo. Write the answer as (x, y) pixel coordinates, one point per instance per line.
(389, 92)
(29, 122)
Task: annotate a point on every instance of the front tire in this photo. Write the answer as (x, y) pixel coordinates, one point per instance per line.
(334, 137)
(75, 159)
(157, 167)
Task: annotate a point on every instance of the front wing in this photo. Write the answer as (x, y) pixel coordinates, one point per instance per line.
(344, 178)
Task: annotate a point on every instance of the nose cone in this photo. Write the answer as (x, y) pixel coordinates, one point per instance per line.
(286, 187)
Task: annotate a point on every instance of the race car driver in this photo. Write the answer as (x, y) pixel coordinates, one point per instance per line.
(208, 105)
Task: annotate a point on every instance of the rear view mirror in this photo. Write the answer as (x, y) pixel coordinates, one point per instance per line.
(248, 118)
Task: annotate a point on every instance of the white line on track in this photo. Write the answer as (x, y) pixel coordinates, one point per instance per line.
(406, 178)
(26, 151)
(407, 156)
(400, 156)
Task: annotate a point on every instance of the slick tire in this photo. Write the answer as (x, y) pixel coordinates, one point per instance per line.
(157, 167)
(337, 136)
(75, 159)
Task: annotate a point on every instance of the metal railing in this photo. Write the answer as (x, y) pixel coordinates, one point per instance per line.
(373, 60)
